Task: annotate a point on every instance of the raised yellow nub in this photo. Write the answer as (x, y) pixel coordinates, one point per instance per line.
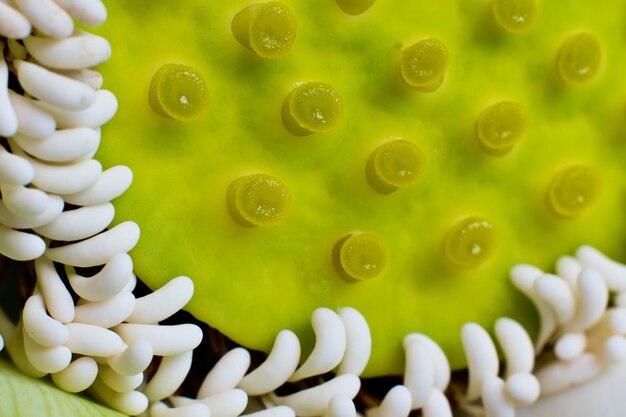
(355, 7)
(312, 107)
(258, 200)
(362, 256)
(515, 15)
(470, 242)
(267, 29)
(573, 190)
(423, 65)
(178, 91)
(395, 164)
(580, 58)
(500, 126)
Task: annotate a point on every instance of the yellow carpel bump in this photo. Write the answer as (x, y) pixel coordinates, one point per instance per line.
(500, 126)
(579, 58)
(514, 15)
(355, 7)
(267, 29)
(178, 91)
(574, 189)
(312, 107)
(423, 65)
(361, 256)
(395, 164)
(258, 200)
(470, 242)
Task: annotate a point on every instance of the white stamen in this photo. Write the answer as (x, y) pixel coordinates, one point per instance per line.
(441, 367)
(52, 212)
(613, 272)
(134, 359)
(89, 12)
(77, 376)
(615, 349)
(79, 51)
(559, 376)
(523, 389)
(8, 118)
(557, 293)
(13, 24)
(314, 401)
(46, 359)
(516, 345)
(397, 403)
(419, 374)
(131, 403)
(62, 179)
(86, 339)
(226, 373)
(358, 342)
(47, 17)
(279, 411)
(593, 296)
(14, 169)
(78, 224)
(158, 409)
(437, 405)
(119, 383)
(330, 345)
(524, 277)
(106, 283)
(494, 398)
(107, 313)
(111, 184)
(99, 249)
(20, 246)
(32, 120)
(169, 376)
(63, 145)
(277, 368)
(52, 88)
(42, 328)
(24, 201)
(57, 298)
(226, 404)
(570, 346)
(165, 340)
(482, 358)
(15, 347)
(340, 406)
(99, 113)
(162, 303)
(568, 268)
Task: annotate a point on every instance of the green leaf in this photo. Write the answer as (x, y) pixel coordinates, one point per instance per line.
(23, 396)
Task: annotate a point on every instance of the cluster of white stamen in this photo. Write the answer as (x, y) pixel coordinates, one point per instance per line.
(53, 128)
(343, 345)
(55, 210)
(584, 332)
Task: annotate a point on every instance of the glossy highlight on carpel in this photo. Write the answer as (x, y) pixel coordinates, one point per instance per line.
(312, 107)
(395, 164)
(178, 91)
(515, 15)
(361, 256)
(267, 29)
(471, 242)
(258, 200)
(423, 65)
(574, 189)
(500, 126)
(580, 58)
